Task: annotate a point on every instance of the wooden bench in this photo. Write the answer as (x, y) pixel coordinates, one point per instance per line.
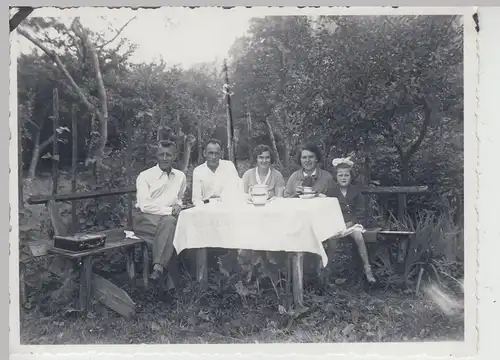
(115, 237)
(91, 284)
(387, 237)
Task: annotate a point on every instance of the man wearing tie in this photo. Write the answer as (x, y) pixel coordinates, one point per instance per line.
(159, 197)
(215, 178)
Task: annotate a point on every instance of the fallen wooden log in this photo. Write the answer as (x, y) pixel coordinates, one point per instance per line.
(112, 296)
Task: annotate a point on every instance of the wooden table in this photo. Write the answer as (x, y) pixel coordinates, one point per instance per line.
(86, 257)
(295, 226)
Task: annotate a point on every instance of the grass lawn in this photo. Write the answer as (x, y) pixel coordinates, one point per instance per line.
(341, 313)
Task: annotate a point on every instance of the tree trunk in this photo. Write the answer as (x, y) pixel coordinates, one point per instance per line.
(286, 155)
(189, 141)
(35, 156)
(273, 141)
(102, 114)
(249, 136)
(405, 167)
(199, 140)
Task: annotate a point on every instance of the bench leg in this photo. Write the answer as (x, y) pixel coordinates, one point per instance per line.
(130, 262)
(145, 264)
(85, 283)
(201, 268)
(298, 279)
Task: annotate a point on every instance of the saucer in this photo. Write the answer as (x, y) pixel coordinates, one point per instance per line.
(307, 196)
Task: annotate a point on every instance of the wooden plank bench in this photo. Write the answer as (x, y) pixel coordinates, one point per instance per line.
(91, 284)
(117, 235)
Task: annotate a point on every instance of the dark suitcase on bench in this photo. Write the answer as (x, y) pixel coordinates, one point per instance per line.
(80, 242)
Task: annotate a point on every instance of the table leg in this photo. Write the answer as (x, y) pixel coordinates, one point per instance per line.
(145, 264)
(298, 278)
(86, 283)
(201, 268)
(130, 262)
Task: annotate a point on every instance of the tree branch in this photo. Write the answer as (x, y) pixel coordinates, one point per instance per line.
(82, 34)
(47, 142)
(423, 131)
(61, 67)
(100, 47)
(33, 123)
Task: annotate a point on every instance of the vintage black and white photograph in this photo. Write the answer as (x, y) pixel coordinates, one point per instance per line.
(230, 176)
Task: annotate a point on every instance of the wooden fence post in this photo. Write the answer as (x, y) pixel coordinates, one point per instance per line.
(229, 123)
(55, 147)
(129, 170)
(74, 157)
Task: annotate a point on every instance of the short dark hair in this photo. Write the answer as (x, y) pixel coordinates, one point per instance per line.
(262, 149)
(213, 141)
(167, 144)
(309, 147)
(344, 166)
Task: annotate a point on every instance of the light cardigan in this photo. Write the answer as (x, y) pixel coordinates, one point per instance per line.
(322, 182)
(274, 182)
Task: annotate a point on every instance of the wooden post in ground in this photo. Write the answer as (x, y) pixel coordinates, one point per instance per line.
(229, 123)
(401, 206)
(86, 283)
(298, 279)
(55, 147)
(145, 263)
(129, 170)
(201, 268)
(74, 157)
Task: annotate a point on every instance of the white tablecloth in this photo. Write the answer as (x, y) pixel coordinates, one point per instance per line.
(296, 225)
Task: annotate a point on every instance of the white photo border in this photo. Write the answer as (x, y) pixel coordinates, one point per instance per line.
(467, 348)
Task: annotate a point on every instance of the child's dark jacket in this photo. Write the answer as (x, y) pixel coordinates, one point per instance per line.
(352, 205)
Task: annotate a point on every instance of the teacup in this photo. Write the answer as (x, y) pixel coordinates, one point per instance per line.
(258, 194)
(308, 190)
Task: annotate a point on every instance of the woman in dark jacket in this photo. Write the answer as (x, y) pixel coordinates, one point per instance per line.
(352, 204)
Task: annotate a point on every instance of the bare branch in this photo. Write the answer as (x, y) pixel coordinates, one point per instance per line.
(33, 123)
(46, 142)
(82, 34)
(61, 67)
(102, 114)
(100, 47)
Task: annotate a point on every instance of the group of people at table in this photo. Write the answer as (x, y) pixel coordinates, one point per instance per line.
(161, 188)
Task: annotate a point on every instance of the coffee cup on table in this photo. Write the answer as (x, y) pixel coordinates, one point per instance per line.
(308, 190)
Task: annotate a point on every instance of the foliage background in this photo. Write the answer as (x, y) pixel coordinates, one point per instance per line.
(386, 89)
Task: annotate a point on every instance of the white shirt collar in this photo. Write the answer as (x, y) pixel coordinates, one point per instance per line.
(160, 172)
(313, 173)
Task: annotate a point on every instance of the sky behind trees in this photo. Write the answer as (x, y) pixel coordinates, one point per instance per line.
(180, 36)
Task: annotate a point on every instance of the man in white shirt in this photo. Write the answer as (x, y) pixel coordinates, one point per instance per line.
(159, 197)
(215, 177)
